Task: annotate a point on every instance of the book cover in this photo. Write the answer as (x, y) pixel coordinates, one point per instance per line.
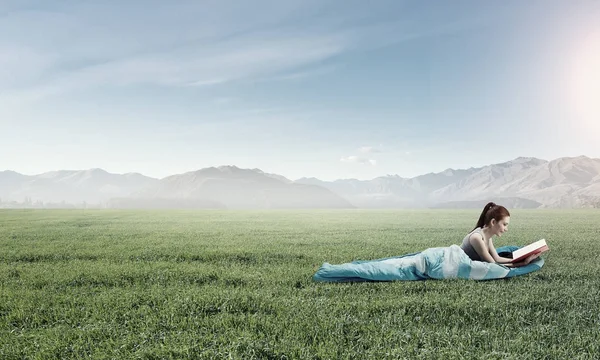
(539, 246)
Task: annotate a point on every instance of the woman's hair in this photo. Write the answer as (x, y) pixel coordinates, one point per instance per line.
(491, 211)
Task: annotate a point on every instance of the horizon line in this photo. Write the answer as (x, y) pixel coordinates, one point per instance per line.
(304, 177)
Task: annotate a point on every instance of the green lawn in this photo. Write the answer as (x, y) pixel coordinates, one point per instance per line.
(237, 284)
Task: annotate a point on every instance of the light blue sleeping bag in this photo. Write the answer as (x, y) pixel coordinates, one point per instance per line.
(434, 263)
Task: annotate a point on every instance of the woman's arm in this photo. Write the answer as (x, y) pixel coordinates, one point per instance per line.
(497, 258)
(481, 247)
(515, 265)
(485, 252)
(507, 261)
(527, 260)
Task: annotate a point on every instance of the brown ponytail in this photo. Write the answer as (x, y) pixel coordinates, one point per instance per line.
(491, 211)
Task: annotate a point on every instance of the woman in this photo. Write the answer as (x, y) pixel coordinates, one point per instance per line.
(478, 243)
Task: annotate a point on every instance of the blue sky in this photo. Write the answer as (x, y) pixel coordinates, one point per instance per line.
(330, 89)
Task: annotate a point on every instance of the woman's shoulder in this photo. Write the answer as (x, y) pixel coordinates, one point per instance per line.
(474, 234)
(477, 230)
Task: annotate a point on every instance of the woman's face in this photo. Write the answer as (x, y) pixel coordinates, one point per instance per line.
(500, 227)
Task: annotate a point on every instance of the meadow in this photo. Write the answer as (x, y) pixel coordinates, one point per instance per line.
(111, 284)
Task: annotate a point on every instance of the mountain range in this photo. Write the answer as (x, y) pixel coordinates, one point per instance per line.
(525, 182)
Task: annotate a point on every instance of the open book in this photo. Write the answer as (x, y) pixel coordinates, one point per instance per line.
(539, 246)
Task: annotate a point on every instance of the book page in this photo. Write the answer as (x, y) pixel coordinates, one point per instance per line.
(531, 247)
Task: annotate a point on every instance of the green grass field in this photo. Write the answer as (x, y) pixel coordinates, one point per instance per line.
(237, 284)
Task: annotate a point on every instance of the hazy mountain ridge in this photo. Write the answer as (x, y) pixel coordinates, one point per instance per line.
(391, 191)
(554, 183)
(73, 186)
(524, 182)
(243, 188)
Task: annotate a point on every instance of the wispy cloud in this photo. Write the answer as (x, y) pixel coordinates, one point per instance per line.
(358, 160)
(207, 82)
(75, 47)
(365, 157)
(369, 150)
(22, 65)
(299, 75)
(242, 58)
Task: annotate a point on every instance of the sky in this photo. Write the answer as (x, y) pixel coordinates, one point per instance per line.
(301, 88)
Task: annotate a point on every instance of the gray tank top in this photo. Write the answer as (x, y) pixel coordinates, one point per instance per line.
(468, 248)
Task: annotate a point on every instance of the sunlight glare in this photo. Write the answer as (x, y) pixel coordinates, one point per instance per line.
(585, 90)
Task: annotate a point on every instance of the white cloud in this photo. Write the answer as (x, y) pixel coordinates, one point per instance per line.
(22, 65)
(299, 75)
(207, 82)
(241, 58)
(369, 150)
(365, 157)
(358, 160)
(78, 46)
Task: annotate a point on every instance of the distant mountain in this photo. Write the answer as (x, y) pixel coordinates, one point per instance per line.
(391, 191)
(243, 188)
(524, 182)
(492, 180)
(564, 182)
(71, 186)
(11, 181)
(274, 176)
(510, 202)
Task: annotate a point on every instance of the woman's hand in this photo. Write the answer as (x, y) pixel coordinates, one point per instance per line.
(530, 258)
(527, 260)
